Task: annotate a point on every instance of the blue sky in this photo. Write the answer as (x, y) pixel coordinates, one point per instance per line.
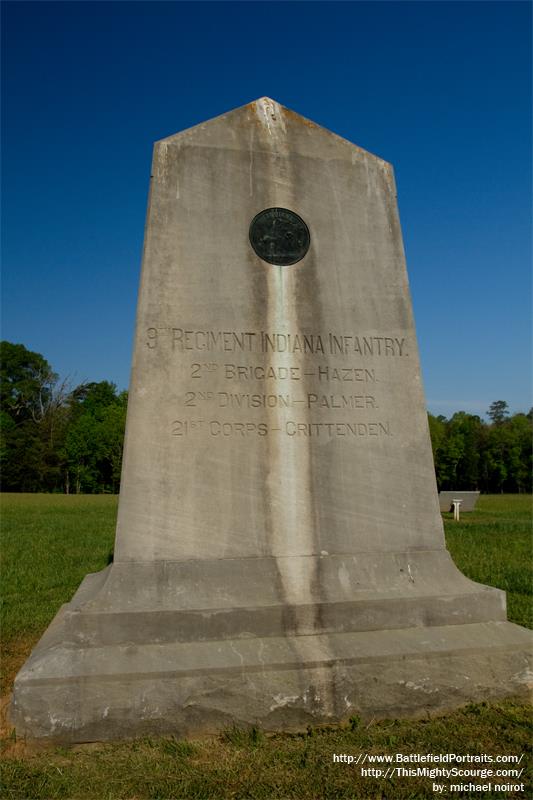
(441, 90)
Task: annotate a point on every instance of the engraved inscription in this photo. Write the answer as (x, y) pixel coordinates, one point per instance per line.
(253, 372)
(226, 429)
(310, 400)
(184, 427)
(331, 343)
(341, 401)
(201, 370)
(295, 385)
(291, 428)
(346, 374)
(152, 334)
(248, 372)
(228, 341)
(360, 429)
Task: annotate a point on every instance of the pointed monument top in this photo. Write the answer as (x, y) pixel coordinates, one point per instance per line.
(277, 121)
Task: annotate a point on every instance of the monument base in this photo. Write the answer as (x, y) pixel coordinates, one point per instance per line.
(134, 652)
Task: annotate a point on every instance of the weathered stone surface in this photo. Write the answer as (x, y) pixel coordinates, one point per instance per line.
(280, 555)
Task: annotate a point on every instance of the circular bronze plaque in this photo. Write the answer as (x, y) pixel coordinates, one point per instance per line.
(279, 236)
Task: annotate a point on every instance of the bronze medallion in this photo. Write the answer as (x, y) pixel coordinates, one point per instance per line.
(279, 236)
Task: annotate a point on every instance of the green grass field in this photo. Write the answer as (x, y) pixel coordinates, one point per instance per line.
(50, 542)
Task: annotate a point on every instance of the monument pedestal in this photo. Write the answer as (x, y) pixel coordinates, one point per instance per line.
(130, 654)
(280, 556)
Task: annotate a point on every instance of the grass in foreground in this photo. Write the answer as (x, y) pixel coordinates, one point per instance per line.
(493, 545)
(51, 542)
(248, 764)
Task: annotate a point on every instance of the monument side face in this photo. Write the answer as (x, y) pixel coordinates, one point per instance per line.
(279, 557)
(273, 410)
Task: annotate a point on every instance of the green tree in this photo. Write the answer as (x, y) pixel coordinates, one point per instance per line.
(469, 429)
(95, 437)
(498, 411)
(81, 447)
(32, 405)
(496, 457)
(113, 424)
(452, 453)
(518, 453)
(507, 455)
(26, 382)
(437, 432)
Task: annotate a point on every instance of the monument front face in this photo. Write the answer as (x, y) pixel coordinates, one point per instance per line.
(279, 555)
(274, 410)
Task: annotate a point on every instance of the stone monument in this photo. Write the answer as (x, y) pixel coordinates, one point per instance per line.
(280, 558)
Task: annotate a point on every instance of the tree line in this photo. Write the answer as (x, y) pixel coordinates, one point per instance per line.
(59, 438)
(55, 437)
(493, 457)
